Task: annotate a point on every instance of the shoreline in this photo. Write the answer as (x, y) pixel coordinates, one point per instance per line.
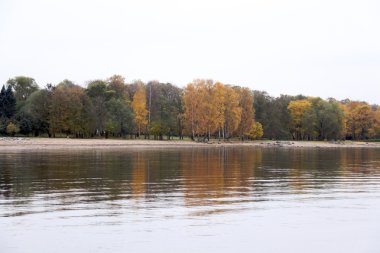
(20, 143)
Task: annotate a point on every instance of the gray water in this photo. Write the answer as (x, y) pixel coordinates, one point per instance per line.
(191, 200)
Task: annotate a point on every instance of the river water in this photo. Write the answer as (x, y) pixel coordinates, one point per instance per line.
(190, 200)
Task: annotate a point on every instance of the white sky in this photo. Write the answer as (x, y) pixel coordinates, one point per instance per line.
(327, 48)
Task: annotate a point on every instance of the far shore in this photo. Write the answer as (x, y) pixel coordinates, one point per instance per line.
(20, 143)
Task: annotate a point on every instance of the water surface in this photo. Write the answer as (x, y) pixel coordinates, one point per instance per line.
(190, 200)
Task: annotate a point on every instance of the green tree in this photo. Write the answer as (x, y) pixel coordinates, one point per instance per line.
(120, 118)
(38, 107)
(7, 103)
(25, 122)
(164, 106)
(273, 114)
(323, 120)
(116, 85)
(155, 130)
(23, 87)
(98, 92)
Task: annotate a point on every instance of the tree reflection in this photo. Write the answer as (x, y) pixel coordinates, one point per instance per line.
(215, 178)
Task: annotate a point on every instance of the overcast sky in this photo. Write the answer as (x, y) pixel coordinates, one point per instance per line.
(327, 48)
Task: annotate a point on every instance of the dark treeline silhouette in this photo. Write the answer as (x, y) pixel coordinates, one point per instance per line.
(202, 110)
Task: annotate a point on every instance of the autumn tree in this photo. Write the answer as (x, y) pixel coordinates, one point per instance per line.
(247, 110)
(131, 89)
(232, 113)
(297, 110)
(151, 91)
(377, 122)
(255, 132)
(71, 111)
(12, 129)
(204, 108)
(139, 109)
(191, 104)
(218, 103)
(360, 120)
(345, 111)
(362, 116)
(209, 108)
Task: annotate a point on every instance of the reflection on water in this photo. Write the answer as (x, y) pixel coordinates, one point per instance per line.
(147, 195)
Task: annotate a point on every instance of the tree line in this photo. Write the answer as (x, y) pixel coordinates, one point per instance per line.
(202, 110)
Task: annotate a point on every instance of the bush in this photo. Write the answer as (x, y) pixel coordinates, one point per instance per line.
(12, 129)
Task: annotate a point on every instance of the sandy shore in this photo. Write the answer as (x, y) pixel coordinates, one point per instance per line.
(7, 143)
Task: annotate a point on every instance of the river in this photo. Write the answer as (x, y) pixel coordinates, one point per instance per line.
(232, 199)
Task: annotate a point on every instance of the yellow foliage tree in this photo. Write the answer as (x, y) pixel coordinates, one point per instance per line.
(218, 104)
(297, 109)
(208, 108)
(215, 108)
(360, 120)
(12, 129)
(201, 108)
(232, 113)
(345, 111)
(256, 131)
(139, 108)
(192, 101)
(377, 122)
(247, 113)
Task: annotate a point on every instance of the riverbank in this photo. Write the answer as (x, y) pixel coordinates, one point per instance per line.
(7, 143)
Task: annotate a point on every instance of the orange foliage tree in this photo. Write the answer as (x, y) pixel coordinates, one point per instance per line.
(232, 113)
(139, 109)
(247, 111)
(360, 120)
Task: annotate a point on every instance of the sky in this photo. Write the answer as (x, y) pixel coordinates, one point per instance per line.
(326, 48)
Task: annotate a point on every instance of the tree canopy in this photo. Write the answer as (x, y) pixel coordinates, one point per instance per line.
(202, 110)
